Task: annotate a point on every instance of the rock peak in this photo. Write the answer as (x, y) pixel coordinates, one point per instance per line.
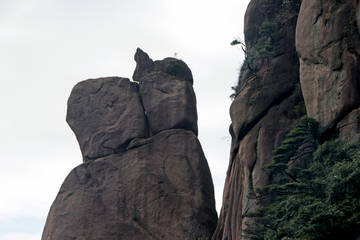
(144, 64)
(171, 66)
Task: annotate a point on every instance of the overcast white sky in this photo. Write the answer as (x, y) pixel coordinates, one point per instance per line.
(47, 46)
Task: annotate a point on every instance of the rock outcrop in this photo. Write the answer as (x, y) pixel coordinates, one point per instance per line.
(167, 94)
(171, 66)
(328, 44)
(324, 68)
(144, 174)
(105, 115)
(267, 106)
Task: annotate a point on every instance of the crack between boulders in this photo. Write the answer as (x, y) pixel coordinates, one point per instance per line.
(145, 113)
(123, 147)
(120, 149)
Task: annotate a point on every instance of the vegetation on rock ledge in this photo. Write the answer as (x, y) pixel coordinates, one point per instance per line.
(319, 202)
(263, 49)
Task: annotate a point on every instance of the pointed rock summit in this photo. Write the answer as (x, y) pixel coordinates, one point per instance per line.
(144, 174)
(144, 64)
(170, 66)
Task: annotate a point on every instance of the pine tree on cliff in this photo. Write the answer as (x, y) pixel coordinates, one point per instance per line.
(320, 202)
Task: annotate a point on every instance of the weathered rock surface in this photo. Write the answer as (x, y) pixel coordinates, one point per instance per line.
(169, 102)
(144, 64)
(267, 106)
(144, 174)
(328, 44)
(105, 115)
(267, 81)
(160, 188)
(165, 88)
(245, 172)
(171, 66)
(349, 126)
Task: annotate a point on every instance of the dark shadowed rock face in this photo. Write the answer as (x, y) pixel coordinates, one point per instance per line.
(145, 175)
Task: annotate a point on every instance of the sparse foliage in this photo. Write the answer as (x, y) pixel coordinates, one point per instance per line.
(264, 50)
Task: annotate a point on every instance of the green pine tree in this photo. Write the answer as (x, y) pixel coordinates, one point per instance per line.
(320, 202)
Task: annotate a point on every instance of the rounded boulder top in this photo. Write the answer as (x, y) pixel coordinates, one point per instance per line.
(171, 66)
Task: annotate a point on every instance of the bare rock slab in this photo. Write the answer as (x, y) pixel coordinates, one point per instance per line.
(167, 94)
(328, 44)
(160, 188)
(105, 115)
(169, 102)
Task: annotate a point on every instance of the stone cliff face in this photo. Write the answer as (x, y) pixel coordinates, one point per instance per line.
(264, 110)
(306, 48)
(144, 174)
(328, 44)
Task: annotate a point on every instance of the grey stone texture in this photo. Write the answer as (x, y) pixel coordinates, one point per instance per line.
(144, 174)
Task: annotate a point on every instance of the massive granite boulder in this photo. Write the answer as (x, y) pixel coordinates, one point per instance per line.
(141, 179)
(105, 115)
(169, 102)
(168, 97)
(328, 44)
(159, 188)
